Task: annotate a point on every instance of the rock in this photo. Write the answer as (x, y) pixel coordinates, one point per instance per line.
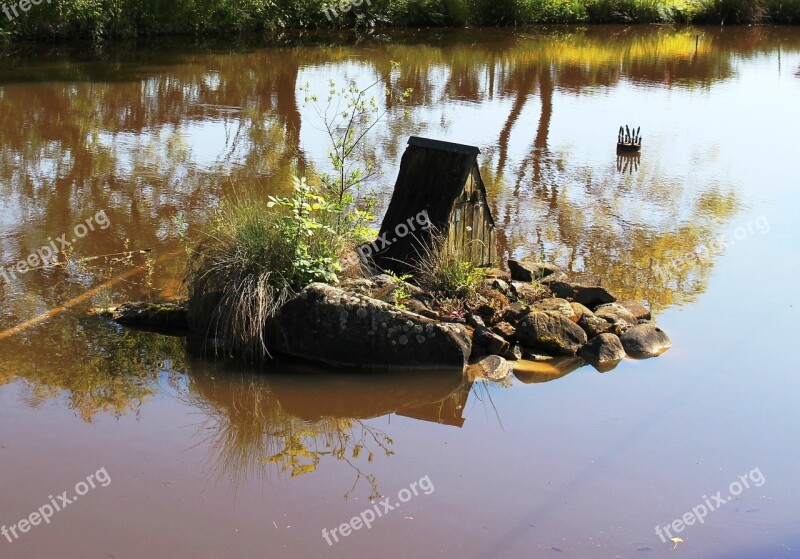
(386, 289)
(556, 276)
(493, 368)
(645, 340)
(149, 315)
(515, 312)
(534, 355)
(496, 273)
(527, 271)
(417, 306)
(486, 312)
(500, 285)
(505, 330)
(581, 310)
(514, 353)
(636, 309)
(617, 315)
(362, 286)
(353, 264)
(557, 305)
(326, 324)
(531, 372)
(588, 295)
(475, 321)
(552, 332)
(592, 325)
(528, 292)
(603, 352)
(484, 342)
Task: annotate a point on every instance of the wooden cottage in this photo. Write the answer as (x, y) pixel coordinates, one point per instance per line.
(439, 183)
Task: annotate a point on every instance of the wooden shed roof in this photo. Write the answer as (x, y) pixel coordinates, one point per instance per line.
(432, 176)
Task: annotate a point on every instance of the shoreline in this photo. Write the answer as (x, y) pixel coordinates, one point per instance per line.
(63, 22)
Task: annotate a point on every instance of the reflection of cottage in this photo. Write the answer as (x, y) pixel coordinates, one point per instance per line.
(449, 411)
(442, 179)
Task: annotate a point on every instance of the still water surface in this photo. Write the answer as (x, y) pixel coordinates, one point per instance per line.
(209, 459)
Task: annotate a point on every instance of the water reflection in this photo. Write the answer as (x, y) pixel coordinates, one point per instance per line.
(628, 163)
(292, 423)
(93, 368)
(157, 137)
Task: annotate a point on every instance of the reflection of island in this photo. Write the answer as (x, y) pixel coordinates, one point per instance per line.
(290, 422)
(531, 372)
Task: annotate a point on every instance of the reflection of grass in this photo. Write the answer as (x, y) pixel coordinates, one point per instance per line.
(251, 435)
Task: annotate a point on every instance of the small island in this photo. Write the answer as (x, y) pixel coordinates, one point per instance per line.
(427, 293)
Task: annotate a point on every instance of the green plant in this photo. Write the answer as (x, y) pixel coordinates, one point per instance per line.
(401, 293)
(444, 269)
(255, 254)
(348, 115)
(315, 246)
(258, 253)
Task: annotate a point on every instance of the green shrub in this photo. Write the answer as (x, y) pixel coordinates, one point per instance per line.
(255, 255)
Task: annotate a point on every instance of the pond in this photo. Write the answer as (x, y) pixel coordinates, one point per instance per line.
(126, 151)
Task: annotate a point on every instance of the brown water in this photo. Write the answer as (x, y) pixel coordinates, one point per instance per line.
(209, 460)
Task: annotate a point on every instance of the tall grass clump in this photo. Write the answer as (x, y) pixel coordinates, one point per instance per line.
(444, 269)
(255, 255)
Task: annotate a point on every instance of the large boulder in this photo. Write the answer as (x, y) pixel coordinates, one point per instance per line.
(588, 295)
(636, 309)
(557, 305)
(493, 368)
(550, 331)
(645, 340)
(620, 317)
(326, 324)
(527, 271)
(603, 352)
